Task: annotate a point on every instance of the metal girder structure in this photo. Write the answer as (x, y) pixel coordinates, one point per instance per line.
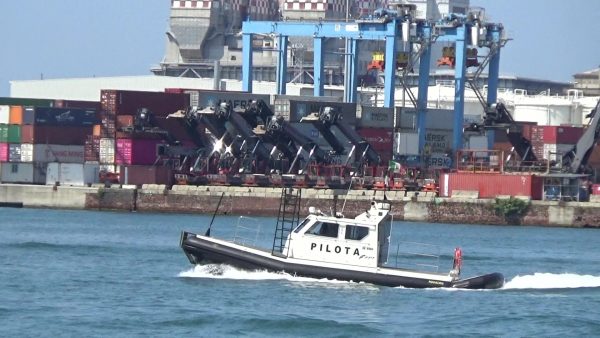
(465, 31)
(461, 30)
(387, 30)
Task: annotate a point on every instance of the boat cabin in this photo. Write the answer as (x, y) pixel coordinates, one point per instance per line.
(361, 241)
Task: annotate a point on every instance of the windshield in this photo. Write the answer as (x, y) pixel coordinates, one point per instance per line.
(301, 225)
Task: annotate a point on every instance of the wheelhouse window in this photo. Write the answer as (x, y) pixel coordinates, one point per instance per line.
(356, 232)
(301, 225)
(324, 229)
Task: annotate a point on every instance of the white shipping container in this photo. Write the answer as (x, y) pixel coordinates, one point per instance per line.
(107, 150)
(109, 168)
(27, 173)
(406, 143)
(45, 153)
(554, 152)
(74, 174)
(26, 152)
(477, 142)
(4, 114)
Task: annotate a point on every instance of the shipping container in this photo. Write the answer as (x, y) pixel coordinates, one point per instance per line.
(97, 130)
(492, 185)
(14, 152)
(24, 173)
(300, 109)
(503, 146)
(212, 98)
(376, 117)
(406, 143)
(73, 117)
(109, 168)
(136, 151)
(3, 152)
(143, 174)
(124, 121)
(28, 116)
(4, 133)
(438, 141)
(107, 151)
(16, 115)
(4, 114)
(45, 153)
(439, 161)
(78, 104)
(92, 148)
(19, 101)
(555, 134)
(379, 138)
(555, 152)
(122, 102)
(14, 133)
(477, 142)
(54, 134)
(442, 119)
(72, 174)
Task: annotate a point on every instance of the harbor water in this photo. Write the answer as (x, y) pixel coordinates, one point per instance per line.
(84, 273)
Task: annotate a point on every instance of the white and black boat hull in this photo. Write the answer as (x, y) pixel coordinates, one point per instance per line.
(203, 251)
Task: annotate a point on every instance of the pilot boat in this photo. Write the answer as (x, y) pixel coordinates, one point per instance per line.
(331, 247)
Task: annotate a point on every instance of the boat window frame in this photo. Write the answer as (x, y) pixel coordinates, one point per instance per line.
(321, 222)
(356, 226)
(303, 224)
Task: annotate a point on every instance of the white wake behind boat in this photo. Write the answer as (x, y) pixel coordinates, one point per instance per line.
(332, 247)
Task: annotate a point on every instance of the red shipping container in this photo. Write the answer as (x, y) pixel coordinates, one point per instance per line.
(136, 151)
(526, 128)
(3, 152)
(142, 174)
(555, 134)
(492, 185)
(174, 90)
(122, 102)
(381, 139)
(62, 135)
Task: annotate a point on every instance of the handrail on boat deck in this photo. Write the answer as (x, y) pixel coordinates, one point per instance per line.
(242, 230)
(409, 254)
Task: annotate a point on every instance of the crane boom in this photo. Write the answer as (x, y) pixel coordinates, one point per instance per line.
(577, 158)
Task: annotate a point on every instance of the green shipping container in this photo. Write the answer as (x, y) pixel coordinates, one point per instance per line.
(3, 133)
(18, 101)
(14, 133)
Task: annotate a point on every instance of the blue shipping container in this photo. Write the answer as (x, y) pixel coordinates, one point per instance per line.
(62, 116)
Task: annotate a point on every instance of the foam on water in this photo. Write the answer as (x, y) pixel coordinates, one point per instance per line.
(222, 271)
(541, 280)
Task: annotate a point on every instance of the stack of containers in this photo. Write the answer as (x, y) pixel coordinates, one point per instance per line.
(118, 144)
(31, 137)
(57, 135)
(550, 142)
(376, 127)
(13, 170)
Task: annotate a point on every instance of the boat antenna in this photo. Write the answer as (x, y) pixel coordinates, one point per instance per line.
(347, 192)
(207, 234)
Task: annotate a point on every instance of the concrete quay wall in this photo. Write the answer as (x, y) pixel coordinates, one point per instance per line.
(258, 201)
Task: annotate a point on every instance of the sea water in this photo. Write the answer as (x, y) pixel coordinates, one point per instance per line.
(84, 273)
